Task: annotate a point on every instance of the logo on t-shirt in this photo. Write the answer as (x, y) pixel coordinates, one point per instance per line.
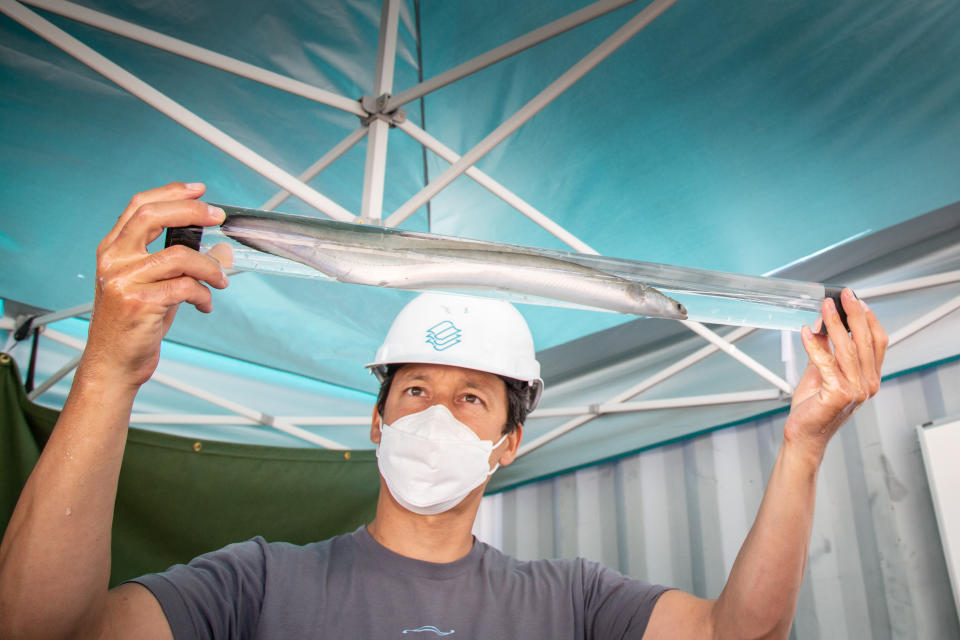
(431, 629)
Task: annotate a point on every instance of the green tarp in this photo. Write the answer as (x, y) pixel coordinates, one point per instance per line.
(180, 497)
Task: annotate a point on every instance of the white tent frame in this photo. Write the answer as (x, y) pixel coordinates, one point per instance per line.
(293, 425)
(380, 114)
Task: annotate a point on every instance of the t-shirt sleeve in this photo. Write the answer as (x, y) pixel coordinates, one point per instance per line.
(216, 595)
(616, 606)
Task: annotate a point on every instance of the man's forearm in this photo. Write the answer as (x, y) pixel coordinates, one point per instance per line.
(760, 596)
(55, 555)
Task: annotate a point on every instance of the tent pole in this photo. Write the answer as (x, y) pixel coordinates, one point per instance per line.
(532, 108)
(635, 390)
(239, 409)
(172, 109)
(314, 170)
(924, 321)
(909, 285)
(199, 54)
(680, 365)
(497, 189)
(665, 403)
(759, 395)
(55, 378)
(788, 356)
(213, 419)
(739, 356)
(309, 436)
(54, 316)
(65, 339)
(330, 421)
(374, 173)
(504, 51)
(261, 418)
(190, 418)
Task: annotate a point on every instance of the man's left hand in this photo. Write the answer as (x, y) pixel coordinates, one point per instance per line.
(836, 381)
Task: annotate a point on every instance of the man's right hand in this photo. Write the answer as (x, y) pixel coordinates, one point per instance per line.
(55, 553)
(138, 293)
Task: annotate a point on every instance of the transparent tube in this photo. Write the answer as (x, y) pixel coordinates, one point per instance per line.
(298, 246)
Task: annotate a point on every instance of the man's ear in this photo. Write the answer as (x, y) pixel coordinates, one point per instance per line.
(513, 443)
(375, 427)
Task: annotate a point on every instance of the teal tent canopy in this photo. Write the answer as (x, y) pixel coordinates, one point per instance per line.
(741, 138)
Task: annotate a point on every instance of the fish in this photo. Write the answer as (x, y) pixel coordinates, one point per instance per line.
(381, 257)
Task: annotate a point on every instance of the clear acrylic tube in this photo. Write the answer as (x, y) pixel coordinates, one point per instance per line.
(299, 246)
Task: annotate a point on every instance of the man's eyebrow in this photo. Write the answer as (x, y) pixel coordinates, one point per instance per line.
(480, 386)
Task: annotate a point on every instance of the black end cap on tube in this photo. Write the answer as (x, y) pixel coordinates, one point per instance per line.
(831, 291)
(186, 236)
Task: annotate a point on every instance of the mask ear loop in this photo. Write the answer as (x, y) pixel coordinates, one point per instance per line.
(498, 443)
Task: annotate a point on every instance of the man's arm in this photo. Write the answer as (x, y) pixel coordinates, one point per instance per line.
(760, 596)
(55, 554)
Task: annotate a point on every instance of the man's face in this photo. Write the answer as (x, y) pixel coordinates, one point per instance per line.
(476, 398)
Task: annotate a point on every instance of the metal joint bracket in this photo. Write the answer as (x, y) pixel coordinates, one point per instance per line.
(24, 327)
(375, 108)
(594, 409)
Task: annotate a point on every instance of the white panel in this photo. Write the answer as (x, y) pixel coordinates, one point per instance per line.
(940, 444)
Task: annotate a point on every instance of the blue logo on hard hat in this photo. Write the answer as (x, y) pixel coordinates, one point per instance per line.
(443, 335)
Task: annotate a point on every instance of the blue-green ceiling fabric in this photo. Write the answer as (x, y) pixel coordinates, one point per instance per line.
(733, 137)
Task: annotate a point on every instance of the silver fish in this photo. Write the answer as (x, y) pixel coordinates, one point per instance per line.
(370, 255)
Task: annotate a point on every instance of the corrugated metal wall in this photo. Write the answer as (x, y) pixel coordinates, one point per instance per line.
(677, 515)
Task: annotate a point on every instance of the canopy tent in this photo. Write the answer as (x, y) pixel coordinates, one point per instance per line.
(733, 139)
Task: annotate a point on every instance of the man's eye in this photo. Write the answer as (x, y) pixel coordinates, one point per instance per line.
(415, 391)
(472, 399)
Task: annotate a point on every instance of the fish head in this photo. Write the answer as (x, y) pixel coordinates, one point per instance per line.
(663, 306)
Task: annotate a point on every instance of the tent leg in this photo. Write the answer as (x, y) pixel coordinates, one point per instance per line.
(374, 174)
(497, 189)
(502, 52)
(198, 54)
(317, 167)
(532, 108)
(172, 109)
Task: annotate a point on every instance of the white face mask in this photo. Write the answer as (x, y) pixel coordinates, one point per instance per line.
(431, 461)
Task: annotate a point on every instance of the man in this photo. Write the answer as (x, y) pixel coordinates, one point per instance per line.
(415, 571)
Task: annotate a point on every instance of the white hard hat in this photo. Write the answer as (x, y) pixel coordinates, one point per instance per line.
(462, 331)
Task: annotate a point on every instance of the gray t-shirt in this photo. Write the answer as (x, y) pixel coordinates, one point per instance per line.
(352, 587)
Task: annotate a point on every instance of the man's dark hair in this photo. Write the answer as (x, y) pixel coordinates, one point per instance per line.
(518, 392)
